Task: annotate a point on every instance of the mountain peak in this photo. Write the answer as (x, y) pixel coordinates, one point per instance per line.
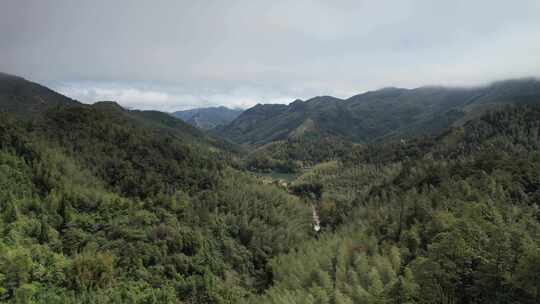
(4, 76)
(25, 98)
(324, 98)
(106, 104)
(376, 114)
(208, 118)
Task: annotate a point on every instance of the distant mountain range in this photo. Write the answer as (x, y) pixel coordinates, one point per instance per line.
(208, 118)
(389, 112)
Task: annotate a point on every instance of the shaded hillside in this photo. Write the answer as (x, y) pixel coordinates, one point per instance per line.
(373, 115)
(163, 123)
(208, 118)
(28, 100)
(25, 98)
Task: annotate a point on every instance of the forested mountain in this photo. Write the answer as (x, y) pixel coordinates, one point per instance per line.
(163, 123)
(24, 98)
(98, 207)
(99, 204)
(208, 118)
(390, 112)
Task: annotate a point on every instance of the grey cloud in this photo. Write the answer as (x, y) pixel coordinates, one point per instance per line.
(243, 52)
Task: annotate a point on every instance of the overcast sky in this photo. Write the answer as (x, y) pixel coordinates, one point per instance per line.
(171, 55)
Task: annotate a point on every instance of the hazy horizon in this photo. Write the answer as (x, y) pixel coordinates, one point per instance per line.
(286, 102)
(176, 55)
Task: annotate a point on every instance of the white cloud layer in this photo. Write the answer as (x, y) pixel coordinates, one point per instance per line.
(146, 99)
(167, 54)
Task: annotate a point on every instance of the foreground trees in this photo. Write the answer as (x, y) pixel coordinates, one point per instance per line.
(119, 215)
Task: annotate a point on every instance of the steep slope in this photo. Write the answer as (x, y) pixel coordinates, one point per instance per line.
(163, 123)
(373, 115)
(269, 122)
(208, 118)
(25, 98)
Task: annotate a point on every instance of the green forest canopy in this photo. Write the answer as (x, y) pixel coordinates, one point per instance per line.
(96, 207)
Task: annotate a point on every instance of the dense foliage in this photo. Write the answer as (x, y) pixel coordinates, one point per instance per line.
(293, 155)
(459, 224)
(103, 205)
(96, 210)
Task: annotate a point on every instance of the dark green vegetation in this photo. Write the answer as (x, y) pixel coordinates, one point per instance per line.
(295, 155)
(23, 98)
(389, 112)
(455, 220)
(103, 205)
(208, 118)
(26, 99)
(98, 207)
